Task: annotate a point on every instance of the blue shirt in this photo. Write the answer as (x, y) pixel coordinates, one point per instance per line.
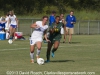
(2, 25)
(70, 19)
(51, 20)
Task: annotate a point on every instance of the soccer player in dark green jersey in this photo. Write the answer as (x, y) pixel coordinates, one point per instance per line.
(54, 37)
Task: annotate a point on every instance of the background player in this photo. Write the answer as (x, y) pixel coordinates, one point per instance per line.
(13, 24)
(7, 26)
(62, 28)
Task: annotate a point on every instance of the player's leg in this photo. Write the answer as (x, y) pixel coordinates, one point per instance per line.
(10, 37)
(39, 45)
(49, 46)
(64, 40)
(65, 34)
(11, 31)
(71, 31)
(7, 34)
(56, 45)
(32, 47)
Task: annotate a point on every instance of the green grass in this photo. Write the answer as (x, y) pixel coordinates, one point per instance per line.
(83, 55)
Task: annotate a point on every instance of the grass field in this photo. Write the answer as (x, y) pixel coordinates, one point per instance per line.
(82, 57)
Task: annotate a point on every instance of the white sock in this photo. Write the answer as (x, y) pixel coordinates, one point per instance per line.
(32, 55)
(7, 35)
(38, 52)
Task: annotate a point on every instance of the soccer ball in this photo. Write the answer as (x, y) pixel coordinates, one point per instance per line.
(40, 61)
(10, 41)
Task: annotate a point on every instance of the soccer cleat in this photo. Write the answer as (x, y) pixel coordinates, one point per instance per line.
(32, 61)
(52, 54)
(47, 61)
(63, 41)
(69, 42)
(37, 56)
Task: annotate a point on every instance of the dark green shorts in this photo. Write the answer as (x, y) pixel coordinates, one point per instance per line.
(53, 40)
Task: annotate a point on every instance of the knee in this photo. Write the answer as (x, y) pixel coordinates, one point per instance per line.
(39, 48)
(55, 48)
(31, 51)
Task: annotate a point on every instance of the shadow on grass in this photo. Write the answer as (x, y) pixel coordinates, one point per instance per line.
(62, 61)
(71, 42)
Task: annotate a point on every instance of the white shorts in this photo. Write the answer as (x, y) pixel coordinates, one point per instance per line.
(34, 41)
(62, 31)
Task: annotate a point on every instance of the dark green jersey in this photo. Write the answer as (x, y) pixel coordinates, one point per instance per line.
(56, 36)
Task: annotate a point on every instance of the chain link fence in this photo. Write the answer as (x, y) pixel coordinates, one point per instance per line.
(81, 27)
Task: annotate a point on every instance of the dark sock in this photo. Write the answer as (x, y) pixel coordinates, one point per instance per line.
(48, 55)
(11, 37)
(53, 50)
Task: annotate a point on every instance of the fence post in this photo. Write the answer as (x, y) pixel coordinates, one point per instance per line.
(98, 27)
(17, 29)
(31, 28)
(88, 27)
(78, 27)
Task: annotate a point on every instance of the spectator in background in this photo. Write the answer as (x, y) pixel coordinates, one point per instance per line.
(2, 24)
(52, 18)
(63, 28)
(70, 21)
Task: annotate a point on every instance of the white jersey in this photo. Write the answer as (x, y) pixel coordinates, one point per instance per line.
(13, 20)
(38, 32)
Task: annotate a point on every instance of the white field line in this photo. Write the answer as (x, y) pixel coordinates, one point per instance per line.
(46, 47)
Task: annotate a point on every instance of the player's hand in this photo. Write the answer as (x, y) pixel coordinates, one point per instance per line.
(72, 22)
(17, 26)
(48, 40)
(37, 26)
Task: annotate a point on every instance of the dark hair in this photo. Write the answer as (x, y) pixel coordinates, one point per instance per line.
(57, 17)
(53, 12)
(44, 17)
(71, 11)
(7, 14)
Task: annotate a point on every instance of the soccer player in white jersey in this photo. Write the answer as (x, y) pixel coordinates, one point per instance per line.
(40, 29)
(13, 24)
(7, 26)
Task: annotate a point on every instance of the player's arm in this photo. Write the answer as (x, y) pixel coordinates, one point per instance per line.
(45, 36)
(9, 20)
(74, 21)
(34, 25)
(52, 29)
(16, 21)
